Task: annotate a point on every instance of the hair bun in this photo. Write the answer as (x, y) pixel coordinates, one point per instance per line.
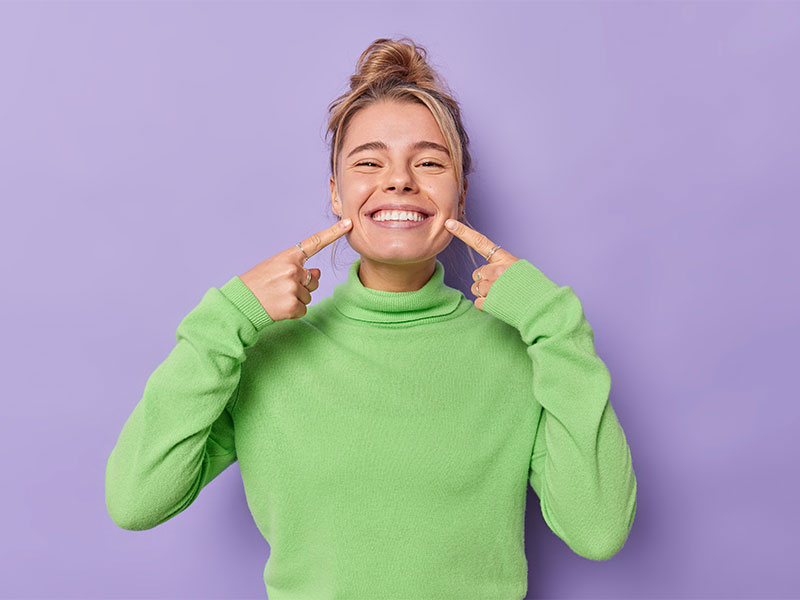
(387, 61)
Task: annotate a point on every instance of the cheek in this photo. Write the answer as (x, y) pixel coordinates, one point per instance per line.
(445, 195)
(358, 189)
(353, 194)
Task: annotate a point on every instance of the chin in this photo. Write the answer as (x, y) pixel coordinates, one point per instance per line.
(398, 256)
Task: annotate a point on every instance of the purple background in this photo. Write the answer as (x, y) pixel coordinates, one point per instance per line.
(643, 153)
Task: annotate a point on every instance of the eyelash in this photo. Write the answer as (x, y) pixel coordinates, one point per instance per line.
(369, 162)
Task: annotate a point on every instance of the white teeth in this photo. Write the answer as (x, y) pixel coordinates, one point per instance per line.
(398, 215)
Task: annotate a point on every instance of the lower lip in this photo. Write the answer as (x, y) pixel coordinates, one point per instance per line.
(400, 224)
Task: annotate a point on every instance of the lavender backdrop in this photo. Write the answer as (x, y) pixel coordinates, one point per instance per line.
(644, 153)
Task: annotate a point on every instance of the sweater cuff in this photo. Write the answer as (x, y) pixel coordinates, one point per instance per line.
(245, 300)
(519, 288)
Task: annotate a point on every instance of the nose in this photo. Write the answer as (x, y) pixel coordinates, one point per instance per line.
(399, 177)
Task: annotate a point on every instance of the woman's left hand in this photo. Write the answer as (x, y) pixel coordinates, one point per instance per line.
(485, 275)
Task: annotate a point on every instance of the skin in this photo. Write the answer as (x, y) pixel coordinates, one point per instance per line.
(485, 275)
(282, 284)
(394, 260)
(398, 260)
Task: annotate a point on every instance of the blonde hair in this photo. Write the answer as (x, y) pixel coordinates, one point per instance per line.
(399, 71)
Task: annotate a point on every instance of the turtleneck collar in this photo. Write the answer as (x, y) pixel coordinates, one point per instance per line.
(434, 299)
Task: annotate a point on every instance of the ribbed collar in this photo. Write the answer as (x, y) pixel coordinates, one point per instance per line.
(434, 299)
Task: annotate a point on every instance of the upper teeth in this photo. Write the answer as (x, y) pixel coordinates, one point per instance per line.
(398, 215)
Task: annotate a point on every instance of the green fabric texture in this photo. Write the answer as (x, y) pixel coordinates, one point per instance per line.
(386, 439)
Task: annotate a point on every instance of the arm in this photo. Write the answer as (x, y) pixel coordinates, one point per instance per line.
(179, 436)
(581, 467)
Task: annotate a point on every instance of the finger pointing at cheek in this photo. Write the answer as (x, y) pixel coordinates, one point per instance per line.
(282, 284)
(485, 275)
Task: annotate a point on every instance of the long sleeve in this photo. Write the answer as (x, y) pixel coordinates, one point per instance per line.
(581, 467)
(180, 435)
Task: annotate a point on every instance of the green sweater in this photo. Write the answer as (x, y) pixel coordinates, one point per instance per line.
(386, 439)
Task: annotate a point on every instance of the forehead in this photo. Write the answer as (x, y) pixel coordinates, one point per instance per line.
(396, 124)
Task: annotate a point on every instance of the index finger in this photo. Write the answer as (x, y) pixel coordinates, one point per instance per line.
(477, 241)
(317, 241)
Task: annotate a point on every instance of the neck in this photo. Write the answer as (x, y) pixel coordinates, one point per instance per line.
(395, 278)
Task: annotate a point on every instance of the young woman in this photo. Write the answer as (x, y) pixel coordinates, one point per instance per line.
(386, 435)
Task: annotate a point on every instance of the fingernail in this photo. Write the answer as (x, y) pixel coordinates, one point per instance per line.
(450, 224)
(345, 223)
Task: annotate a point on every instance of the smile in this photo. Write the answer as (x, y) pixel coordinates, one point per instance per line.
(388, 220)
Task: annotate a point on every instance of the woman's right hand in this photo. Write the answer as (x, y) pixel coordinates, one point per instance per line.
(279, 282)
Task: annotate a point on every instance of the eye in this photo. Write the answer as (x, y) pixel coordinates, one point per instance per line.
(368, 163)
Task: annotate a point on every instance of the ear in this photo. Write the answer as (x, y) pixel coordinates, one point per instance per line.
(336, 204)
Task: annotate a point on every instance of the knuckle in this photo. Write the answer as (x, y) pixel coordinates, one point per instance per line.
(315, 240)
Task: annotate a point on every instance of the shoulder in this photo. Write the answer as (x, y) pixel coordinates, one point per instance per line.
(293, 329)
(476, 326)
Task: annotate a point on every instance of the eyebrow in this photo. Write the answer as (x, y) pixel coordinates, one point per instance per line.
(381, 146)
